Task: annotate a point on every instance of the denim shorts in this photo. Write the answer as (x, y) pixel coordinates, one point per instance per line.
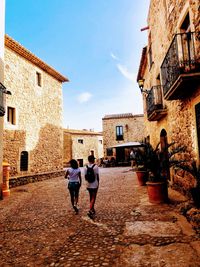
(74, 186)
(92, 190)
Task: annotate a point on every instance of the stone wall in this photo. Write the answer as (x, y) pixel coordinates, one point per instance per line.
(38, 124)
(133, 129)
(26, 179)
(2, 33)
(67, 147)
(92, 141)
(180, 121)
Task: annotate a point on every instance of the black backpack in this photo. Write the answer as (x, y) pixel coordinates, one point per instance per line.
(90, 175)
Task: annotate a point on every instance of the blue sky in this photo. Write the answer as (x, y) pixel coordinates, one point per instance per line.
(97, 44)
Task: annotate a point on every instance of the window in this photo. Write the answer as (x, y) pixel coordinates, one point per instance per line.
(11, 115)
(2, 100)
(109, 152)
(80, 162)
(38, 78)
(185, 27)
(24, 161)
(185, 41)
(119, 133)
(150, 57)
(100, 142)
(80, 141)
(157, 92)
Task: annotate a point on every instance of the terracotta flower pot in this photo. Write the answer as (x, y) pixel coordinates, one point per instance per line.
(157, 192)
(142, 177)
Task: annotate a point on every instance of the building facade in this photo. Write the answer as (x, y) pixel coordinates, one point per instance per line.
(169, 78)
(33, 139)
(119, 129)
(2, 33)
(79, 144)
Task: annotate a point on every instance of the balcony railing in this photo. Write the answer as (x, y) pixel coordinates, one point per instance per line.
(181, 61)
(154, 104)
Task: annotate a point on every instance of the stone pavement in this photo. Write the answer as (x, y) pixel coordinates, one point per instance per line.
(39, 228)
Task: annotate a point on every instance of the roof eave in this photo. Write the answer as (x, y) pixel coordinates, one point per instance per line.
(25, 53)
(143, 62)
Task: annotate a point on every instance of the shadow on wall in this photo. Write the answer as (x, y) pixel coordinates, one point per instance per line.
(13, 143)
(45, 157)
(48, 153)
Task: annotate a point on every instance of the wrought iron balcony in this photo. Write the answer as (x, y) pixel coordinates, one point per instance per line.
(154, 104)
(180, 69)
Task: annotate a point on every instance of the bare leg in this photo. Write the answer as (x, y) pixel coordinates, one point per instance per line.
(93, 194)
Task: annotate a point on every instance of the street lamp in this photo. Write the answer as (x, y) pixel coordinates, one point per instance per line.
(3, 91)
(141, 86)
(141, 83)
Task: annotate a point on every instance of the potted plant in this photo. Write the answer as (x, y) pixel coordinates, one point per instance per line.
(194, 170)
(159, 162)
(148, 164)
(157, 184)
(141, 165)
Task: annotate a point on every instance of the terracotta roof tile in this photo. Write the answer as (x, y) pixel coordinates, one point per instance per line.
(123, 115)
(82, 132)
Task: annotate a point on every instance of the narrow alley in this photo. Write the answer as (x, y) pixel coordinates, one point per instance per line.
(39, 228)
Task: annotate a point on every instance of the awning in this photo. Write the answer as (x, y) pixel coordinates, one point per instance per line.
(129, 144)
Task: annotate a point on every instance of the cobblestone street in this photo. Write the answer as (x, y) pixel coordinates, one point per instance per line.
(39, 228)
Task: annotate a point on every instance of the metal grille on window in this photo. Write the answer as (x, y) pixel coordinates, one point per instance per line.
(119, 133)
(2, 100)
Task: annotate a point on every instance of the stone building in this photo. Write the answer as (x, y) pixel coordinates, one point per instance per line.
(120, 129)
(79, 144)
(2, 32)
(33, 139)
(169, 78)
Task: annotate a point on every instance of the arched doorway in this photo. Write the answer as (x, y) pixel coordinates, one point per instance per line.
(24, 161)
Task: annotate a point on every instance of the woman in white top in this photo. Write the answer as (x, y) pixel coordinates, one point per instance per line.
(74, 184)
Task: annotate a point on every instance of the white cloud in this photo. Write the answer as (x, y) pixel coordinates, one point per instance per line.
(84, 97)
(126, 73)
(113, 56)
(123, 69)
